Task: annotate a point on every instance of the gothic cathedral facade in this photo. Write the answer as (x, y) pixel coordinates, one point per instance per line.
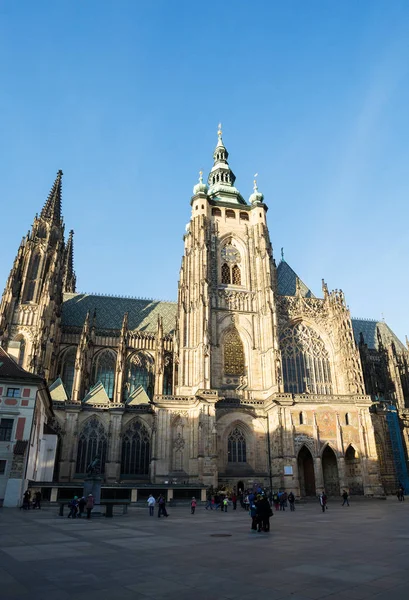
(248, 378)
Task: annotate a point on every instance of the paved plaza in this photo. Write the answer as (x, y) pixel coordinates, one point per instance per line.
(347, 553)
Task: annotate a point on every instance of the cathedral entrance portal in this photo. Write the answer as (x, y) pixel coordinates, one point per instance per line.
(330, 472)
(353, 472)
(306, 472)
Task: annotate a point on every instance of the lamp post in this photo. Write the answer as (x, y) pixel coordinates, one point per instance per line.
(270, 471)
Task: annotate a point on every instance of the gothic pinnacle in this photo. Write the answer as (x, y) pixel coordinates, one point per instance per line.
(52, 208)
(70, 280)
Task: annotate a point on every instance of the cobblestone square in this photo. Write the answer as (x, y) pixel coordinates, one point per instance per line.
(351, 553)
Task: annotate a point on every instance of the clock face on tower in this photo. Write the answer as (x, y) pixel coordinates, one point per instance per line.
(230, 254)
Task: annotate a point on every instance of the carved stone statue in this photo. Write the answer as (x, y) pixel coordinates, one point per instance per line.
(94, 467)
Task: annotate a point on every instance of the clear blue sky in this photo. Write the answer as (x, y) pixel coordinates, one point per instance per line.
(125, 98)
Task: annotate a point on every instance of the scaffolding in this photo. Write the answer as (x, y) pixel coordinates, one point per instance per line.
(398, 452)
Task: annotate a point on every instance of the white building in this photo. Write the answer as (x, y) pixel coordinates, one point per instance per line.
(27, 453)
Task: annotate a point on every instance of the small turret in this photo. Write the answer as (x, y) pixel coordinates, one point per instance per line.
(221, 178)
(256, 197)
(200, 188)
(52, 208)
(69, 279)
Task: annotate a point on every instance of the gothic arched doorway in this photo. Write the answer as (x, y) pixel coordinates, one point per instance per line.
(306, 472)
(353, 471)
(330, 472)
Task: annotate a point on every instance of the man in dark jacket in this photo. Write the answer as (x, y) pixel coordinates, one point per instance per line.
(264, 513)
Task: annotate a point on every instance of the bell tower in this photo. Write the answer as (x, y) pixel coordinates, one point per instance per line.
(227, 326)
(30, 309)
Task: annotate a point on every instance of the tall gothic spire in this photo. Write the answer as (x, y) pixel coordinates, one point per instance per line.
(52, 207)
(70, 280)
(221, 178)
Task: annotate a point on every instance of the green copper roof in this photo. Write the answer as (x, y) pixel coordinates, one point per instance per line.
(142, 314)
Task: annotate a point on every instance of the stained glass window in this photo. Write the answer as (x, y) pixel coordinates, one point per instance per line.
(306, 366)
(236, 275)
(92, 443)
(233, 354)
(236, 446)
(226, 273)
(135, 450)
(140, 372)
(104, 371)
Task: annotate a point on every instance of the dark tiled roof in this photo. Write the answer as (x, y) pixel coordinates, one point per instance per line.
(287, 280)
(368, 329)
(142, 314)
(10, 369)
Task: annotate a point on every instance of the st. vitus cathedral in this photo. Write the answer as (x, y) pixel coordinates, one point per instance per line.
(247, 378)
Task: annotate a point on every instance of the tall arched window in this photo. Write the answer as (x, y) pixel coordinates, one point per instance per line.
(233, 354)
(168, 375)
(92, 443)
(236, 446)
(67, 369)
(21, 352)
(103, 370)
(135, 450)
(306, 366)
(140, 372)
(32, 275)
(230, 271)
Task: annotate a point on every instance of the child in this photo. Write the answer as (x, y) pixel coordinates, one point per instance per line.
(225, 503)
(193, 506)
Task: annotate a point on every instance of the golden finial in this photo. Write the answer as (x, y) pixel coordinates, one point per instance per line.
(200, 176)
(255, 182)
(219, 131)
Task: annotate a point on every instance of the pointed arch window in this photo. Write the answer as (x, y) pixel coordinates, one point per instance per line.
(233, 354)
(67, 369)
(226, 276)
(230, 270)
(92, 443)
(135, 450)
(236, 446)
(168, 375)
(140, 372)
(32, 275)
(347, 419)
(306, 365)
(103, 370)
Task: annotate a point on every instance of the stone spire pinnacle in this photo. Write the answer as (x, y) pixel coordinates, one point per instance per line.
(52, 207)
(69, 280)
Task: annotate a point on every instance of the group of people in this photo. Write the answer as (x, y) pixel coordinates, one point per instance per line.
(161, 502)
(260, 512)
(29, 502)
(218, 501)
(78, 506)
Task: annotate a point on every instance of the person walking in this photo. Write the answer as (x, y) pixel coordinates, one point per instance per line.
(291, 501)
(37, 500)
(151, 504)
(81, 506)
(73, 505)
(90, 505)
(193, 506)
(209, 503)
(345, 498)
(234, 500)
(225, 503)
(26, 500)
(162, 507)
(276, 501)
(323, 501)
